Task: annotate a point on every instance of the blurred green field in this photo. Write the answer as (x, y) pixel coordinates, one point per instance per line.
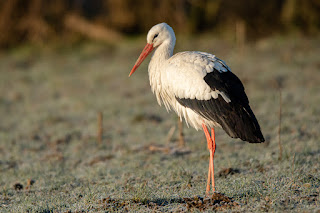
(50, 98)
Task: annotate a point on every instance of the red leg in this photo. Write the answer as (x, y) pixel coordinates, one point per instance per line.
(212, 147)
(208, 180)
(212, 151)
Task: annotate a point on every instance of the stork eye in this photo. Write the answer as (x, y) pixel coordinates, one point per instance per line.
(155, 36)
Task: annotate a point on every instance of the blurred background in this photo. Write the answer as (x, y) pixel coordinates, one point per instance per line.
(39, 21)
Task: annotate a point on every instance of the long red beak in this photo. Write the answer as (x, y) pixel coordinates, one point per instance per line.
(145, 52)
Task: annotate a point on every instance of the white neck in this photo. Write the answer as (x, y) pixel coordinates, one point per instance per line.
(158, 60)
(161, 54)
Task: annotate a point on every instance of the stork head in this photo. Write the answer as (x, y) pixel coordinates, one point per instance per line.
(157, 35)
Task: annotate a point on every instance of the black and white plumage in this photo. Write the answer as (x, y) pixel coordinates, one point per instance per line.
(198, 86)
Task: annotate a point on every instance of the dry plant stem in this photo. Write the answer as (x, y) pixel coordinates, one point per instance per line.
(170, 134)
(100, 128)
(181, 137)
(212, 148)
(240, 35)
(279, 129)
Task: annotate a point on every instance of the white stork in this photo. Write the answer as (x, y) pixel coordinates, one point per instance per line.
(200, 88)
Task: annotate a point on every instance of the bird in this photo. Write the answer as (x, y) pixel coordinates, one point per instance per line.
(201, 89)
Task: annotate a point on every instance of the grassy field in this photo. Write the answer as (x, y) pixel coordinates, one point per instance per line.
(50, 160)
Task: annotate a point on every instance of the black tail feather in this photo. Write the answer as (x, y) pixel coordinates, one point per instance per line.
(244, 125)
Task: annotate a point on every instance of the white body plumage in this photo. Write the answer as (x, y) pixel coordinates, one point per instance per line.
(182, 76)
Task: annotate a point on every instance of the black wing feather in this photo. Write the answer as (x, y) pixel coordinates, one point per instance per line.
(235, 117)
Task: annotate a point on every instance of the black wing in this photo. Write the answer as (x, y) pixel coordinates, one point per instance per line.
(236, 116)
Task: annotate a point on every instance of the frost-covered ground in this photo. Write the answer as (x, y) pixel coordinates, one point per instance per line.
(50, 98)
